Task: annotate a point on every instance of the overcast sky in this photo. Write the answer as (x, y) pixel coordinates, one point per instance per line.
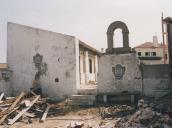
(86, 19)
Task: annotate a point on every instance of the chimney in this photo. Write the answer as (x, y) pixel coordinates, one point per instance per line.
(155, 41)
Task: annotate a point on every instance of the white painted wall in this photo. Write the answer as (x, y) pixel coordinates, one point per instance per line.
(131, 80)
(59, 51)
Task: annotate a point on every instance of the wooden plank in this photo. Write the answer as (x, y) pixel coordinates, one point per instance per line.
(2, 95)
(8, 112)
(33, 93)
(12, 121)
(17, 100)
(12, 106)
(45, 114)
(27, 114)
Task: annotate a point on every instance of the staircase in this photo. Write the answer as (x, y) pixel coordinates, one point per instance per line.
(84, 97)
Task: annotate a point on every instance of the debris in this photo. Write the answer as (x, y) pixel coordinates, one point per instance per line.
(116, 111)
(23, 108)
(45, 113)
(23, 111)
(108, 125)
(75, 125)
(147, 116)
(11, 107)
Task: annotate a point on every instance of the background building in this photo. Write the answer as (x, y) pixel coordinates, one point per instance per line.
(152, 52)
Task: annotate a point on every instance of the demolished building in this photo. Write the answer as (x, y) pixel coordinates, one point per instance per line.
(69, 67)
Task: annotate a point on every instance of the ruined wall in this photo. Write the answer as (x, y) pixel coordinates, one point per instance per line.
(59, 60)
(155, 80)
(5, 85)
(130, 79)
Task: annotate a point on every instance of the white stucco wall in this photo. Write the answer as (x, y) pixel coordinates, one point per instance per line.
(60, 52)
(131, 80)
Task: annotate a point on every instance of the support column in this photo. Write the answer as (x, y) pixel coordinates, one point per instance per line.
(168, 21)
(86, 68)
(81, 69)
(96, 67)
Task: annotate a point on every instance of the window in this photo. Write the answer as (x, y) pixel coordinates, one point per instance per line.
(147, 53)
(165, 56)
(153, 53)
(139, 53)
(150, 54)
(90, 66)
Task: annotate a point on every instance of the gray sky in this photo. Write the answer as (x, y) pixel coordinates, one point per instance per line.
(86, 19)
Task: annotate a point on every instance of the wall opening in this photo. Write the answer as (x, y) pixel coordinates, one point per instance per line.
(56, 80)
(90, 66)
(118, 38)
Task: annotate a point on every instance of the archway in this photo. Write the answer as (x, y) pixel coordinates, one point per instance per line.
(110, 33)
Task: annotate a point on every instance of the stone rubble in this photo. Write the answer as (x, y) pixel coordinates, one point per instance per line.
(146, 117)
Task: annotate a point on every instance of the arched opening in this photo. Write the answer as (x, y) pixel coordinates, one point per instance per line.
(118, 38)
(118, 32)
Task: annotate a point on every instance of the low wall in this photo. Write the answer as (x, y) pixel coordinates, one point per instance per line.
(155, 79)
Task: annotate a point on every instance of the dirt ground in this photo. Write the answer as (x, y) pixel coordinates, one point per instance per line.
(90, 116)
(62, 115)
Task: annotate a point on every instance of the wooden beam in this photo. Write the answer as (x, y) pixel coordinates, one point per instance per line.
(45, 114)
(27, 114)
(33, 93)
(12, 106)
(12, 121)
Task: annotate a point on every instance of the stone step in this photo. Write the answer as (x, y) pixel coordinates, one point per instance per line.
(82, 100)
(79, 103)
(83, 97)
(89, 91)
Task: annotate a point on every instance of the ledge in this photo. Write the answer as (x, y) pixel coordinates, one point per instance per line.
(150, 58)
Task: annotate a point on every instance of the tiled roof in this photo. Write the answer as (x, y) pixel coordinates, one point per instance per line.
(3, 65)
(150, 45)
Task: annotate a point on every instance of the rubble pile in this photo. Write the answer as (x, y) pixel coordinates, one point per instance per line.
(145, 117)
(164, 104)
(23, 108)
(117, 111)
(28, 106)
